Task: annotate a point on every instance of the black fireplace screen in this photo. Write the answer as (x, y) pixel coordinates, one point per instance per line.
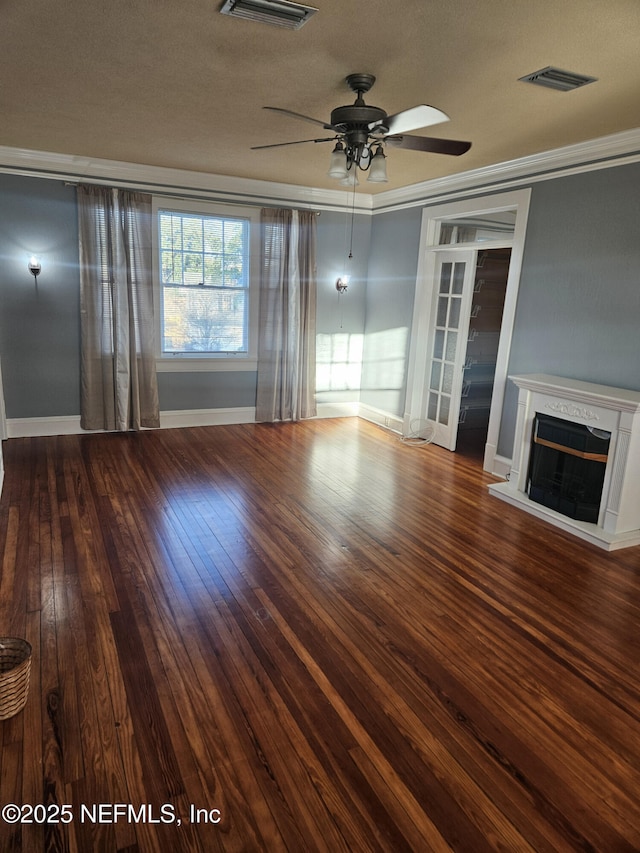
(567, 467)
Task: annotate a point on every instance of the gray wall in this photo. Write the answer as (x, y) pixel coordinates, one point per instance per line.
(393, 263)
(40, 321)
(340, 320)
(578, 312)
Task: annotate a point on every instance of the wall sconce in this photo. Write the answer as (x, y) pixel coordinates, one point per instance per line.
(342, 283)
(34, 267)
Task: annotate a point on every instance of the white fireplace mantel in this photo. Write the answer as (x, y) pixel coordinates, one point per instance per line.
(616, 410)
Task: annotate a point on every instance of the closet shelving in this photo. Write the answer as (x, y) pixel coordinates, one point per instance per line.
(484, 337)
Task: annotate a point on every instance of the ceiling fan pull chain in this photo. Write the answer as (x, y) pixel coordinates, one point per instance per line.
(353, 210)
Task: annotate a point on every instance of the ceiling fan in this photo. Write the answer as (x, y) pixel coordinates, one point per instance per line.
(358, 128)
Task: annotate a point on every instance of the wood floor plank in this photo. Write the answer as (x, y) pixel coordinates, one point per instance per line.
(310, 637)
(401, 712)
(219, 785)
(32, 782)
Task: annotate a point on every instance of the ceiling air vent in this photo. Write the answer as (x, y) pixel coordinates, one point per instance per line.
(279, 13)
(556, 78)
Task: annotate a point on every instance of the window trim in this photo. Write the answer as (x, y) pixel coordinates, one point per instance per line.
(198, 362)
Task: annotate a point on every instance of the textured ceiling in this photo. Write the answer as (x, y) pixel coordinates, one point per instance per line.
(176, 84)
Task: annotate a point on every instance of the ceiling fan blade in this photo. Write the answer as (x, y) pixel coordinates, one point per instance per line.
(412, 119)
(300, 116)
(298, 142)
(455, 147)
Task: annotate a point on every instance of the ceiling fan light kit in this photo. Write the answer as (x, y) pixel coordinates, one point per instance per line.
(378, 168)
(359, 128)
(338, 163)
(351, 179)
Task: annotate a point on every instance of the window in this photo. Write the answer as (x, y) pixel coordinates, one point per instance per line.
(495, 225)
(204, 267)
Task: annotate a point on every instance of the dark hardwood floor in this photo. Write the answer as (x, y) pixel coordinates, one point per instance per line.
(308, 637)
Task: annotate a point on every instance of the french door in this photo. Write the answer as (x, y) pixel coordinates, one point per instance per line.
(428, 349)
(454, 278)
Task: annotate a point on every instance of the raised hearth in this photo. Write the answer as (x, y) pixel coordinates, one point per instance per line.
(604, 410)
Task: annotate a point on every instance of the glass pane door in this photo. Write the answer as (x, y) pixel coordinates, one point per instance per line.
(454, 279)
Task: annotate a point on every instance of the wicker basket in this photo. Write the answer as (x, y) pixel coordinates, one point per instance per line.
(15, 668)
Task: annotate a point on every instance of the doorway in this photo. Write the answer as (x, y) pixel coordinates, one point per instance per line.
(467, 235)
(483, 338)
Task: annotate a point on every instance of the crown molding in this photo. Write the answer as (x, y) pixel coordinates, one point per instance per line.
(177, 182)
(614, 150)
(607, 151)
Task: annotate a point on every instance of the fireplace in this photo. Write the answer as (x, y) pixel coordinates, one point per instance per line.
(567, 466)
(576, 459)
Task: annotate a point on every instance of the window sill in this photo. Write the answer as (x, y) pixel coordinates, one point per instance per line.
(180, 364)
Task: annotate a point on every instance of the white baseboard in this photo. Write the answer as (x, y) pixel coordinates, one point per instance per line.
(501, 467)
(32, 427)
(70, 425)
(207, 417)
(381, 418)
(337, 410)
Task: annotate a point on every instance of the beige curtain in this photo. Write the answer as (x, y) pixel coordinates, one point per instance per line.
(118, 377)
(287, 338)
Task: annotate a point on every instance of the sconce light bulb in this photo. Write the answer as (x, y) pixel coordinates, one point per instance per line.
(34, 266)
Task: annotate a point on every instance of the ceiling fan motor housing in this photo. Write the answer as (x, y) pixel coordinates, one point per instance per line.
(357, 119)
